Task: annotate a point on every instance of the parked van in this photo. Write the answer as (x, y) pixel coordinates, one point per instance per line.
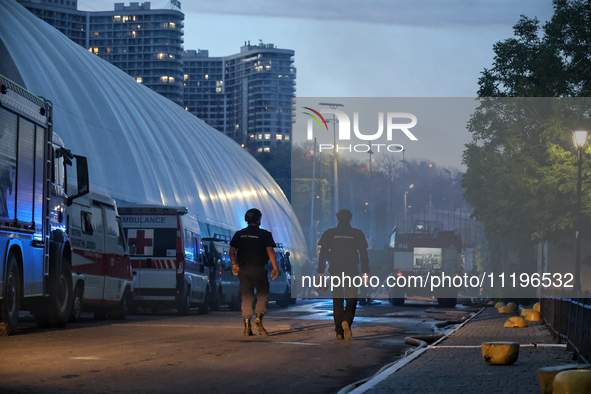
(101, 269)
(168, 259)
(224, 284)
(279, 289)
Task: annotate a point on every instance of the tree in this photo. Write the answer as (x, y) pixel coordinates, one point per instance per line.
(521, 175)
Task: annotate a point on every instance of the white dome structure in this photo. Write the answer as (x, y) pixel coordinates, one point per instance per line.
(141, 147)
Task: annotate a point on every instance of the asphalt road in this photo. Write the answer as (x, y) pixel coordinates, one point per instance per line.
(166, 353)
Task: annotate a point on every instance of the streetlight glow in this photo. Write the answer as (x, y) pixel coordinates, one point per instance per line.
(579, 138)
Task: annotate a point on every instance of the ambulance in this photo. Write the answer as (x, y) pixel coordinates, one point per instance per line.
(168, 260)
(101, 269)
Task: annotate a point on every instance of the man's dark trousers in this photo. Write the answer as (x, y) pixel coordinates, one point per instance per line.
(253, 277)
(342, 313)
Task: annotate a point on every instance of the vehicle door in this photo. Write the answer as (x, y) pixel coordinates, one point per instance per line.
(278, 285)
(230, 283)
(114, 259)
(94, 240)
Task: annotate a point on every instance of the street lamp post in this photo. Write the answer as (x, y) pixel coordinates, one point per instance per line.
(336, 176)
(579, 139)
(406, 206)
(370, 200)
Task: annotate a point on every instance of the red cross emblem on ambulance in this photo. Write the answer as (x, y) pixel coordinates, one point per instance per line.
(143, 240)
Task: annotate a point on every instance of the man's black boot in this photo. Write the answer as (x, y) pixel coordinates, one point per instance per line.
(247, 329)
(258, 324)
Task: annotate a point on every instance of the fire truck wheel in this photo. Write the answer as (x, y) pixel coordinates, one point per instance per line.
(9, 308)
(204, 307)
(76, 305)
(185, 304)
(216, 301)
(60, 299)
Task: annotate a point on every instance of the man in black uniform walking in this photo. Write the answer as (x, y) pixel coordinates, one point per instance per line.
(255, 248)
(343, 247)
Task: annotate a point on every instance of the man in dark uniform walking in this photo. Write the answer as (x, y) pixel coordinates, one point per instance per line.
(343, 247)
(255, 248)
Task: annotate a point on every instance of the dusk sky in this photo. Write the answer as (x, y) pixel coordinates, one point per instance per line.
(383, 48)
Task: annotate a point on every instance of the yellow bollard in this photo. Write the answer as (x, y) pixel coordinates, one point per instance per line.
(576, 381)
(499, 304)
(512, 305)
(525, 312)
(533, 318)
(500, 353)
(546, 375)
(515, 322)
(536, 307)
(505, 309)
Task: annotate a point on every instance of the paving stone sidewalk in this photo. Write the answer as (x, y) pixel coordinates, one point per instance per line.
(463, 370)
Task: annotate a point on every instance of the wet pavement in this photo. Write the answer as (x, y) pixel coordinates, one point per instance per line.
(164, 352)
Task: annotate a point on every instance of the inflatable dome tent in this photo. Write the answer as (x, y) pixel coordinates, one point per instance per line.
(141, 147)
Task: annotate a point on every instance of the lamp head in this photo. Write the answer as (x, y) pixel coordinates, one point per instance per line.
(579, 138)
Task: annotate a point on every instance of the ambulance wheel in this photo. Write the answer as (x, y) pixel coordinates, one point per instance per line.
(9, 308)
(118, 312)
(76, 305)
(204, 307)
(185, 304)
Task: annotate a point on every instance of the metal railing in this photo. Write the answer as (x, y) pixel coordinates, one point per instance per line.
(568, 316)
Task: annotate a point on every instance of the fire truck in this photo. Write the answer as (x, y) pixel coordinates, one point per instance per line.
(36, 254)
(425, 252)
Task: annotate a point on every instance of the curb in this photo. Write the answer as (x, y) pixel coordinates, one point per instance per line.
(382, 374)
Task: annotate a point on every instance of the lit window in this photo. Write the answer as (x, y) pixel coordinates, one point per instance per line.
(186, 108)
(252, 136)
(279, 136)
(139, 80)
(170, 79)
(286, 138)
(267, 136)
(133, 34)
(172, 25)
(206, 76)
(161, 55)
(125, 18)
(237, 126)
(218, 90)
(266, 149)
(117, 18)
(268, 67)
(260, 150)
(186, 76)
(164, 79)
(259, 136)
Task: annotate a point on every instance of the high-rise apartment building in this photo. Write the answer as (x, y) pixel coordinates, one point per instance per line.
(249, 96)
(147, 44)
